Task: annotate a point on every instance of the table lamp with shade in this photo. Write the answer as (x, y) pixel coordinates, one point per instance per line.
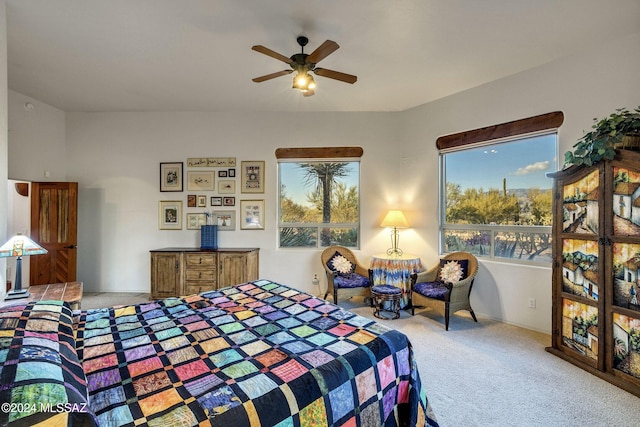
(394, 219)
(19, 246)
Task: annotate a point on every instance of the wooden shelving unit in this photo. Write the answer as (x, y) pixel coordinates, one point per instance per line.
(596, 269)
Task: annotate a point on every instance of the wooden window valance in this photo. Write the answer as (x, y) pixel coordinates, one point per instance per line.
(503, 130)
(318, 152)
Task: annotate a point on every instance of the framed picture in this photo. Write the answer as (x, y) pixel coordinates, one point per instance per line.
(195, 221)
(228, 201)
(171, 176)
(210, 162)
(170, 215)
(226, 186)
(191, 200)
(232, 173)
(252, 214)
(200, 181)
(252, 174)
(222, 174)
(202, 201)
(225, 220)
(216, 201)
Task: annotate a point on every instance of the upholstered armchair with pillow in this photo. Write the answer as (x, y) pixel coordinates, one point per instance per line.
(345, 275)
(446, 287)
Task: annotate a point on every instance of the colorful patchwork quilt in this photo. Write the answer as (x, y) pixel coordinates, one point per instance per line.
(257, 354)
(41, 380)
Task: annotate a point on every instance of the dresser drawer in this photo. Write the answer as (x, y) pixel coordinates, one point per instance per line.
(201, 259)
(208, 275)
(197, 288)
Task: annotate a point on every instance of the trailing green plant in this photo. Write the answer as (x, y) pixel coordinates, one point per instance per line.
(606, 133)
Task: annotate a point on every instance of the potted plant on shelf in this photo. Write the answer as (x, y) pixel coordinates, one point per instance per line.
(620, 129)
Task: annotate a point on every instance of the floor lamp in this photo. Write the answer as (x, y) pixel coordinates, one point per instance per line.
(394, 219)
(19, 246)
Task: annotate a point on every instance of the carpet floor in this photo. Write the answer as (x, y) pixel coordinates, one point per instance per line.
(488, 373)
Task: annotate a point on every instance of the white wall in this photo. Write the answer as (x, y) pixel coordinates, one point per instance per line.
(37, 141)
(36, 152)
(583, 86)
(4, 146)
(115, 158)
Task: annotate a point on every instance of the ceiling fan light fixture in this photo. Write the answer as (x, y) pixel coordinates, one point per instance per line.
(312, 83)
(303, 81)
(299, 81)
(303, 64)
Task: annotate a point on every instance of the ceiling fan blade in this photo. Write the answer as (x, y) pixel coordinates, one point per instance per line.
(272, 76)
(271, 53)
(336, 75)
(324, 50)
(309, 92)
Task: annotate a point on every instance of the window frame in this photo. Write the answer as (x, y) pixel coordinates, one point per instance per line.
(318, 155)
(545, 124)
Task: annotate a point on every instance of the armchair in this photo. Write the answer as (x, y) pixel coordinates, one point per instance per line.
(446, 287)
(345, 275)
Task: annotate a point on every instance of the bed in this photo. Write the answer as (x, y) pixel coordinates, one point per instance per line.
(259, 353)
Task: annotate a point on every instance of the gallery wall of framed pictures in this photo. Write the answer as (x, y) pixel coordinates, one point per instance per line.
(212, 185)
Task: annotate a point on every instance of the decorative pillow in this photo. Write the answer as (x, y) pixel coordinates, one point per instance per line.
(40, 375)
(453, 270)
(341, 265)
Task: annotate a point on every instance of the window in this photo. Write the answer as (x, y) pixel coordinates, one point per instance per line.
(496, 200)
(319, 202)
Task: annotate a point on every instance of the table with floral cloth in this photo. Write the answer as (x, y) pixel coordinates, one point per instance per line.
(396, 270)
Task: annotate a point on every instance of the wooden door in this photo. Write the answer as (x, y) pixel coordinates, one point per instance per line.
(233, 269)
(252, 266)
(54, 225)
(165, 274)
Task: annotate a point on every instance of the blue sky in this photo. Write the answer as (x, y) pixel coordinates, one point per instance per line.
(523, 163)
(293, 177)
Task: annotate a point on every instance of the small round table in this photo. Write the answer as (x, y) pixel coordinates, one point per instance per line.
(396, 270)
(386, 298)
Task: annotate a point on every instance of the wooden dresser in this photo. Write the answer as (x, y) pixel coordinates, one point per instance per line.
(186, 271)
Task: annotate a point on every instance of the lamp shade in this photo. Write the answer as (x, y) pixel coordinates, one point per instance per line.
(20, 245)
(394, 218)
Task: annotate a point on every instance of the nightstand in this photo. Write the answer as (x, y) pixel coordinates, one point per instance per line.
(71, 292)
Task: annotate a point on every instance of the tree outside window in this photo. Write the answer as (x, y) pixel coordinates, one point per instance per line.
(319, 204)
(497, 200)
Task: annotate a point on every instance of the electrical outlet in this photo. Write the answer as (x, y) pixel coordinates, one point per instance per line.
(316, 283)
(532, 303)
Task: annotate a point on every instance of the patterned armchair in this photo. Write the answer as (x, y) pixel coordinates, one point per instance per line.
(446, 287)
(345, 275)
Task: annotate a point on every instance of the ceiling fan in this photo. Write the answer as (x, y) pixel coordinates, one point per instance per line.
(303, 64)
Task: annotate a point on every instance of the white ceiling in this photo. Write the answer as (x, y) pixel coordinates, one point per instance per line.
(195, 55)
